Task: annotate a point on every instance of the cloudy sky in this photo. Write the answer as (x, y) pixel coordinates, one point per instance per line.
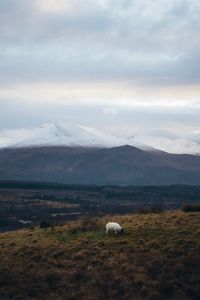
(125, 65)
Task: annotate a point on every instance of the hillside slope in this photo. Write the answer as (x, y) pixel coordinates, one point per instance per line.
(125, 165)
(157, 257)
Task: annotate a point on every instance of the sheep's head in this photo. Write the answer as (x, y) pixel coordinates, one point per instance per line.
(122, 230)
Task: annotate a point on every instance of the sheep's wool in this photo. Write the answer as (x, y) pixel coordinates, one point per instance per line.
(112, 226)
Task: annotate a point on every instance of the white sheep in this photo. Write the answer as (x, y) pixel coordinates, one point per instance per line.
(112, 226)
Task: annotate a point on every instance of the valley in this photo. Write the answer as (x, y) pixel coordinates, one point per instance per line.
(27, 204)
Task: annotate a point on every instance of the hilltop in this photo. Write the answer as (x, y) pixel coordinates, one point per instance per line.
(157, 257)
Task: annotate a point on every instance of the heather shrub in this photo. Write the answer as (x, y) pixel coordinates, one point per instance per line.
(192, 207)
(45, 224)
(86, 223)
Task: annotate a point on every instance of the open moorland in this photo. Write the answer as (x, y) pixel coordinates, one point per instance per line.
(157, 257)
(26, 204)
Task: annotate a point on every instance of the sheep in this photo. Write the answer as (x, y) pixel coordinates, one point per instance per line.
(112, 226)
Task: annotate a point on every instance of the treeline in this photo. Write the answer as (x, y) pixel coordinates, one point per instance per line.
(15, 184)
(177, 193)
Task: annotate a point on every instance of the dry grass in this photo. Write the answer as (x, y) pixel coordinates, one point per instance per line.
(157, 257)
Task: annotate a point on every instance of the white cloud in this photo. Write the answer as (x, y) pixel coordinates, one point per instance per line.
(112, 111)
(53, 6)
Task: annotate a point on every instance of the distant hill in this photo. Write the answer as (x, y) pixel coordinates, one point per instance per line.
(123, 165)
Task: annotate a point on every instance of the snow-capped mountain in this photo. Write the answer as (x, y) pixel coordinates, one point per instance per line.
(63, 134)
(176, 146)
(70, 134)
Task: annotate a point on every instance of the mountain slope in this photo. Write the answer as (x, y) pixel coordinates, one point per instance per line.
(124, 165)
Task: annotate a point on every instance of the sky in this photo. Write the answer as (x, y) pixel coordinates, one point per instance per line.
(121, 65)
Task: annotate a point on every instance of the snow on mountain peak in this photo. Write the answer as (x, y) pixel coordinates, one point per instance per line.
(71, 134)
(63, 134)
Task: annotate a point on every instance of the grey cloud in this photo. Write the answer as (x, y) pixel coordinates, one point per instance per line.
(60, 64)
(149, 43)
(158, 121)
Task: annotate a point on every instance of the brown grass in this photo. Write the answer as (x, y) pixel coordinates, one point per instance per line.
(157, 257)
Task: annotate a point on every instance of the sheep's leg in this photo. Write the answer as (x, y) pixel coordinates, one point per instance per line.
(115, 231)
(106, 230)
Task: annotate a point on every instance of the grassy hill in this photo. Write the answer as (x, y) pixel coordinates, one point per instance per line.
(157, 257)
